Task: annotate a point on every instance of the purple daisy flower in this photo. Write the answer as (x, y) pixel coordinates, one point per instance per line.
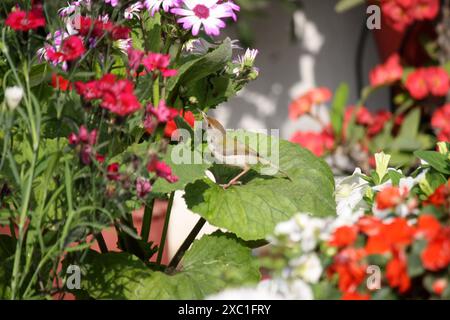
(206, 13)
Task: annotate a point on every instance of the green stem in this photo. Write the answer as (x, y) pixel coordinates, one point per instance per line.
(156, 96)
(186, 244)
(162, 243)
(147, 221)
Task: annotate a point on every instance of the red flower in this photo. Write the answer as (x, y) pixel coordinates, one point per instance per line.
(113, 171)
(100, 28)
(438, 81)
(23, 21)
(391, 236)
(351, 272)
(171, 126)
(355, 296)
(72, 48)
(116, 95)
(305, 103)
(425, 9)
(163, 113)
(417, 85)
(428, 226)
(441, 196)
(388, 198)
(378, 122)
(439, 286)
(159, 62)
(370, 225)
(317, 142)
(397, 272)
(162, 170)
(436, 255)
(387, 73)
(60, 83)
(344, 236)
(441, 122)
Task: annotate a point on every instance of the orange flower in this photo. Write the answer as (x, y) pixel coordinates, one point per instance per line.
(436, 255)
(351, 272)
(388, 198)
(344, 236)
(391, 236)
(306, 102)
(397, 272)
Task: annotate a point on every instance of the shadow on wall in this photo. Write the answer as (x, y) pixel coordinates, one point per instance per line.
(325, 55)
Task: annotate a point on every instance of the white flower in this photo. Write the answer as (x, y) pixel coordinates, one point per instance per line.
(13, 96)
(248, 59)
(301, 228)
(133, 10)
(349, 195)
(198, 47)
(382, 163)
(276, 289)
(307, 267)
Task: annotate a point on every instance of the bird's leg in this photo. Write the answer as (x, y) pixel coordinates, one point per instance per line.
(235, 179)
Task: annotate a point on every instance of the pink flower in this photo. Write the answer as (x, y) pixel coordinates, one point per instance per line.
(86, 140)
(135, 58)
(206, 13)
(159, 62)
(387, 73)
(143, 187)
(162, 113)
(306, 102)
(440, 121)
(154, 5)
(162, 170)
(113, 171)
(316, 142)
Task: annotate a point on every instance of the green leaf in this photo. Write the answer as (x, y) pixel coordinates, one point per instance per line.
(212, 264)
(435, 159)
(338, 108)
(183, 163)
(407, 137)
(344, 5)
(252, 210)
(196, 69)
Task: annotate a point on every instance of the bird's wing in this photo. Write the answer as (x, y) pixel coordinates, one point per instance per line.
(235, 147)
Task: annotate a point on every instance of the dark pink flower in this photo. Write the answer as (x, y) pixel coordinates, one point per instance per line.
(161, 169)
(159, 62)
(143, 187)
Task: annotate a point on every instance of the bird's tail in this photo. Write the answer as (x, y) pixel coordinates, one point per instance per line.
(269, 163)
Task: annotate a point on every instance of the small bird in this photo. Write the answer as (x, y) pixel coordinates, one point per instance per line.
(228, 150)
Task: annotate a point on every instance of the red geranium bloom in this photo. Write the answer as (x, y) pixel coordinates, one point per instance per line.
(441, 120)
(397, 272)
(72, 48)
(344, 236)
(441, 196)
(23, 21)
(425, 9)
(436, 255)
(379, 120)
(395, 234)
(387, 73)
(417, 85)
(370, 225)
(171, 126)
(397, 13)
(438, 81)
(351, 271)
(388, 198)
(305, 103)
(428, 226)
(159, 62)
(60, 83)
(316, 142)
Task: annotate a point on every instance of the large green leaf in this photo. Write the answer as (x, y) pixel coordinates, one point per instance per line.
(435, 159)
(252, 210)
(212, 264)
(186, 170)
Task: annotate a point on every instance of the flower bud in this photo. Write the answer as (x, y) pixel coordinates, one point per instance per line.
(13, 96)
